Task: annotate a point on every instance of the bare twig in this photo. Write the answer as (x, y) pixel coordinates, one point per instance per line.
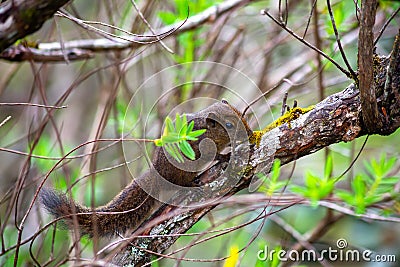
(151, 28)
(32, 105)
(265, 12)
(5, 121)
(323, 226)
(110, 36)
(105, 44)
(385, 25)
(339, 43)
(301, 239)
(312, 11)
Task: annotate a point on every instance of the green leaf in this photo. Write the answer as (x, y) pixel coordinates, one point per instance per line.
(197, 133)
(328, 167)
(187, 150)
(184, 121)
(358, 185)
(190, 127)
(171, 138)
(178, 123)
(389, 164)
(175, 137)
(189, 138)
(271, 185)
(345, 196)
(183, 131)
(390, 180)
(275, 170)
(174, 152)
(299, 190)
(310, 180)
(169, 126)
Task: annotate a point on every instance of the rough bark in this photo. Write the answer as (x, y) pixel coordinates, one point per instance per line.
(337, 118)
(19, 18)
(365, 64)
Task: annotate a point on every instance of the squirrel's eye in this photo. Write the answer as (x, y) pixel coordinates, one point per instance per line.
(229, 125)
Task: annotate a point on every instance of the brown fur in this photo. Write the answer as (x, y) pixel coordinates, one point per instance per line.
(133, 205)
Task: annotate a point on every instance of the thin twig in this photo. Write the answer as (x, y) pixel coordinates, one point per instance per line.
(265, 12)
(5, 120)
(33, 105)
(385, 25)
(151, 28)
(301, 239)
(87, 25)
(357, 10)
(193, 22)
(353, 75)
(313, 7)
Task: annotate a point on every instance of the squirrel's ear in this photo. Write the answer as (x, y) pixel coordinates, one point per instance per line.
(211, 119)
(224, 101)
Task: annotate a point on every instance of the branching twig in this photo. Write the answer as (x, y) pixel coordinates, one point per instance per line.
(265, 12)
(134, 41)
(151, 28)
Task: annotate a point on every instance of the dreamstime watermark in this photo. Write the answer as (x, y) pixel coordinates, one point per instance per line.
(340, 253)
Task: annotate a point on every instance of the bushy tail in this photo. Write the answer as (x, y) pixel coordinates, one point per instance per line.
(126, 211)
(60, 206)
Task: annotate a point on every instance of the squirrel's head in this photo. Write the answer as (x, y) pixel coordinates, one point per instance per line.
(224, 124)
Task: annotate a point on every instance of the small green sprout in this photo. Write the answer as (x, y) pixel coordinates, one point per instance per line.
(175, 138)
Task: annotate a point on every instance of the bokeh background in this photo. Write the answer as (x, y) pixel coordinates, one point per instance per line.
(122, 92)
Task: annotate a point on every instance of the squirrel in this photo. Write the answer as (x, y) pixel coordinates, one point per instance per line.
(134, 204)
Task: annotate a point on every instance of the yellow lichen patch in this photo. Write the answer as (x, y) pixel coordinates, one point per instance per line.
(255, 138)
(289, 116)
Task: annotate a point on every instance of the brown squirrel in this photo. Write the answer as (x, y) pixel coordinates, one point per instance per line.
(134, 204)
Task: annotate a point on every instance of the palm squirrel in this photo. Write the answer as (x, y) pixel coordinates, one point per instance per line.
(134, 204)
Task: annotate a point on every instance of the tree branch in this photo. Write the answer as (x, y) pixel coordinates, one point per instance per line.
(365, 65)
(337, 118)
(134, 41)
(19, 18)
(19, 53)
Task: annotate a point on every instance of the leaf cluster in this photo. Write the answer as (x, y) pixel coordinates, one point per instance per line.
(175, 138)
(316, 188)
(368, 189)
(272, 184)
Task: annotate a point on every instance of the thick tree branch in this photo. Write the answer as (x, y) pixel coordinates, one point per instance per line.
(19, 18)
(19, 53)
(365, 65)
(337, 118)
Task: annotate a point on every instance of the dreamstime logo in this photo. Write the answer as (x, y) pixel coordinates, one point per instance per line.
(341, 243)
(151, 96)
(340, 253)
